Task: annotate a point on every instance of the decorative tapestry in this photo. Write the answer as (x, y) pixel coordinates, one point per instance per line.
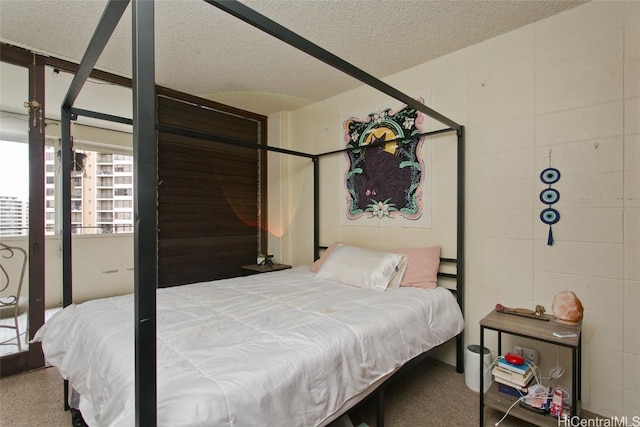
(386, 173)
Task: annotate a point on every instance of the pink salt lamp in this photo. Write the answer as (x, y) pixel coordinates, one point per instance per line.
(567, 308)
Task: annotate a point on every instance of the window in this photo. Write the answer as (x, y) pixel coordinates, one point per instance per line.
(104, 158)
(105, 170)
(123, 204)
(93, 196)
(14, 190)
(124, 215)
(120, 168)
(105, 205)
(104, 193)
(104, 217)
(123, 180)
(104, 181)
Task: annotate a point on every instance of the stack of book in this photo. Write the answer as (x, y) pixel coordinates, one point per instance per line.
(512, 379)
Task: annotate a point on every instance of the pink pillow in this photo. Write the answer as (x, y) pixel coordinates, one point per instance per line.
(422, 267)
(316, 265)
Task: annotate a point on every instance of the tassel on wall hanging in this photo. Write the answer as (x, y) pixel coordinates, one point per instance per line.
(550, 196)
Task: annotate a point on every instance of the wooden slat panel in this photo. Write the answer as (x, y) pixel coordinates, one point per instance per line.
(173, 94)
(206, 205)
(210, 215)
(213, 171)
(192, 112)
(199, 256)
(207, 198)
(217, 271)
(214, 128)
(182, 199)
(229, 167)
(182, 176)
(180, 114)
(177, 145)
(218, 243)
(185, 232)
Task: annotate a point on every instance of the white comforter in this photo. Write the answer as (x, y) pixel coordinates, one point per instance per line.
(276, 349)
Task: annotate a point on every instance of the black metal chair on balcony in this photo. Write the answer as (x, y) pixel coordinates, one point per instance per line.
(13, 264)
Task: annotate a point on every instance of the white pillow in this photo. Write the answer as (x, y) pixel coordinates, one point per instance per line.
(364, 268)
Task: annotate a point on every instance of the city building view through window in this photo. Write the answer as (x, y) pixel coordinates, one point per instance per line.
(14, 188)
(101, 194)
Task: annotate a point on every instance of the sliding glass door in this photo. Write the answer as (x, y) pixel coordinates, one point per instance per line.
(21, 212)
(14, 244)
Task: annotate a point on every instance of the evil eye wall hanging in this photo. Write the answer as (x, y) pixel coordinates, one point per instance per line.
(549, 196)
(550, 216)
(550, 176)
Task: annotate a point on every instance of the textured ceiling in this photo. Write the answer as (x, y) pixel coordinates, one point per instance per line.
(203, 51)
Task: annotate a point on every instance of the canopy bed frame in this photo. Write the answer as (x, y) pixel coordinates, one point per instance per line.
(145, 172)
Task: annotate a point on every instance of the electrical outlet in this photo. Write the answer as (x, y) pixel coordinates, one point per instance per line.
(531, 355)
(528, 353)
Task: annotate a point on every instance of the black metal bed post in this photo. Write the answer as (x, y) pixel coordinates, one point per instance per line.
(65, 195)
(76, 112)
(189, 133)
(381, 143)
(108, 22)
(460, 244)
(145, 211)
(316, 207)
(380, 407)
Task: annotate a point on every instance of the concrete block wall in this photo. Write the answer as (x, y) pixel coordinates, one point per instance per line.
(564, 92)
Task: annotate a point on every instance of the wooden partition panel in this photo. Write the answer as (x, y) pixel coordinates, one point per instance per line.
(207, 196)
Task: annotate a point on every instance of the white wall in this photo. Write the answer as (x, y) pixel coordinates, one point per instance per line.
(102, 266)
(569, 85)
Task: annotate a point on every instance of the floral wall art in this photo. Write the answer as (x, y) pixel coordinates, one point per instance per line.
(386, 179)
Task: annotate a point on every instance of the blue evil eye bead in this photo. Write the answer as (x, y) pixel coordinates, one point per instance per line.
(549, 196)
(550, 175)
(550, 216)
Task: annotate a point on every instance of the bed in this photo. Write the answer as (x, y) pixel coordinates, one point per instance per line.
(282, 348)
(144, 317)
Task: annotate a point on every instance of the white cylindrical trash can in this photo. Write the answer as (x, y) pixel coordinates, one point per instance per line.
(472, 368)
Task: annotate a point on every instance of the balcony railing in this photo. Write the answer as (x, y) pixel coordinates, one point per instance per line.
(75, 229)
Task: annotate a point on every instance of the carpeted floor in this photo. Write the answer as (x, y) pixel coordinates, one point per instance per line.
(33, 399)
(431, 395)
